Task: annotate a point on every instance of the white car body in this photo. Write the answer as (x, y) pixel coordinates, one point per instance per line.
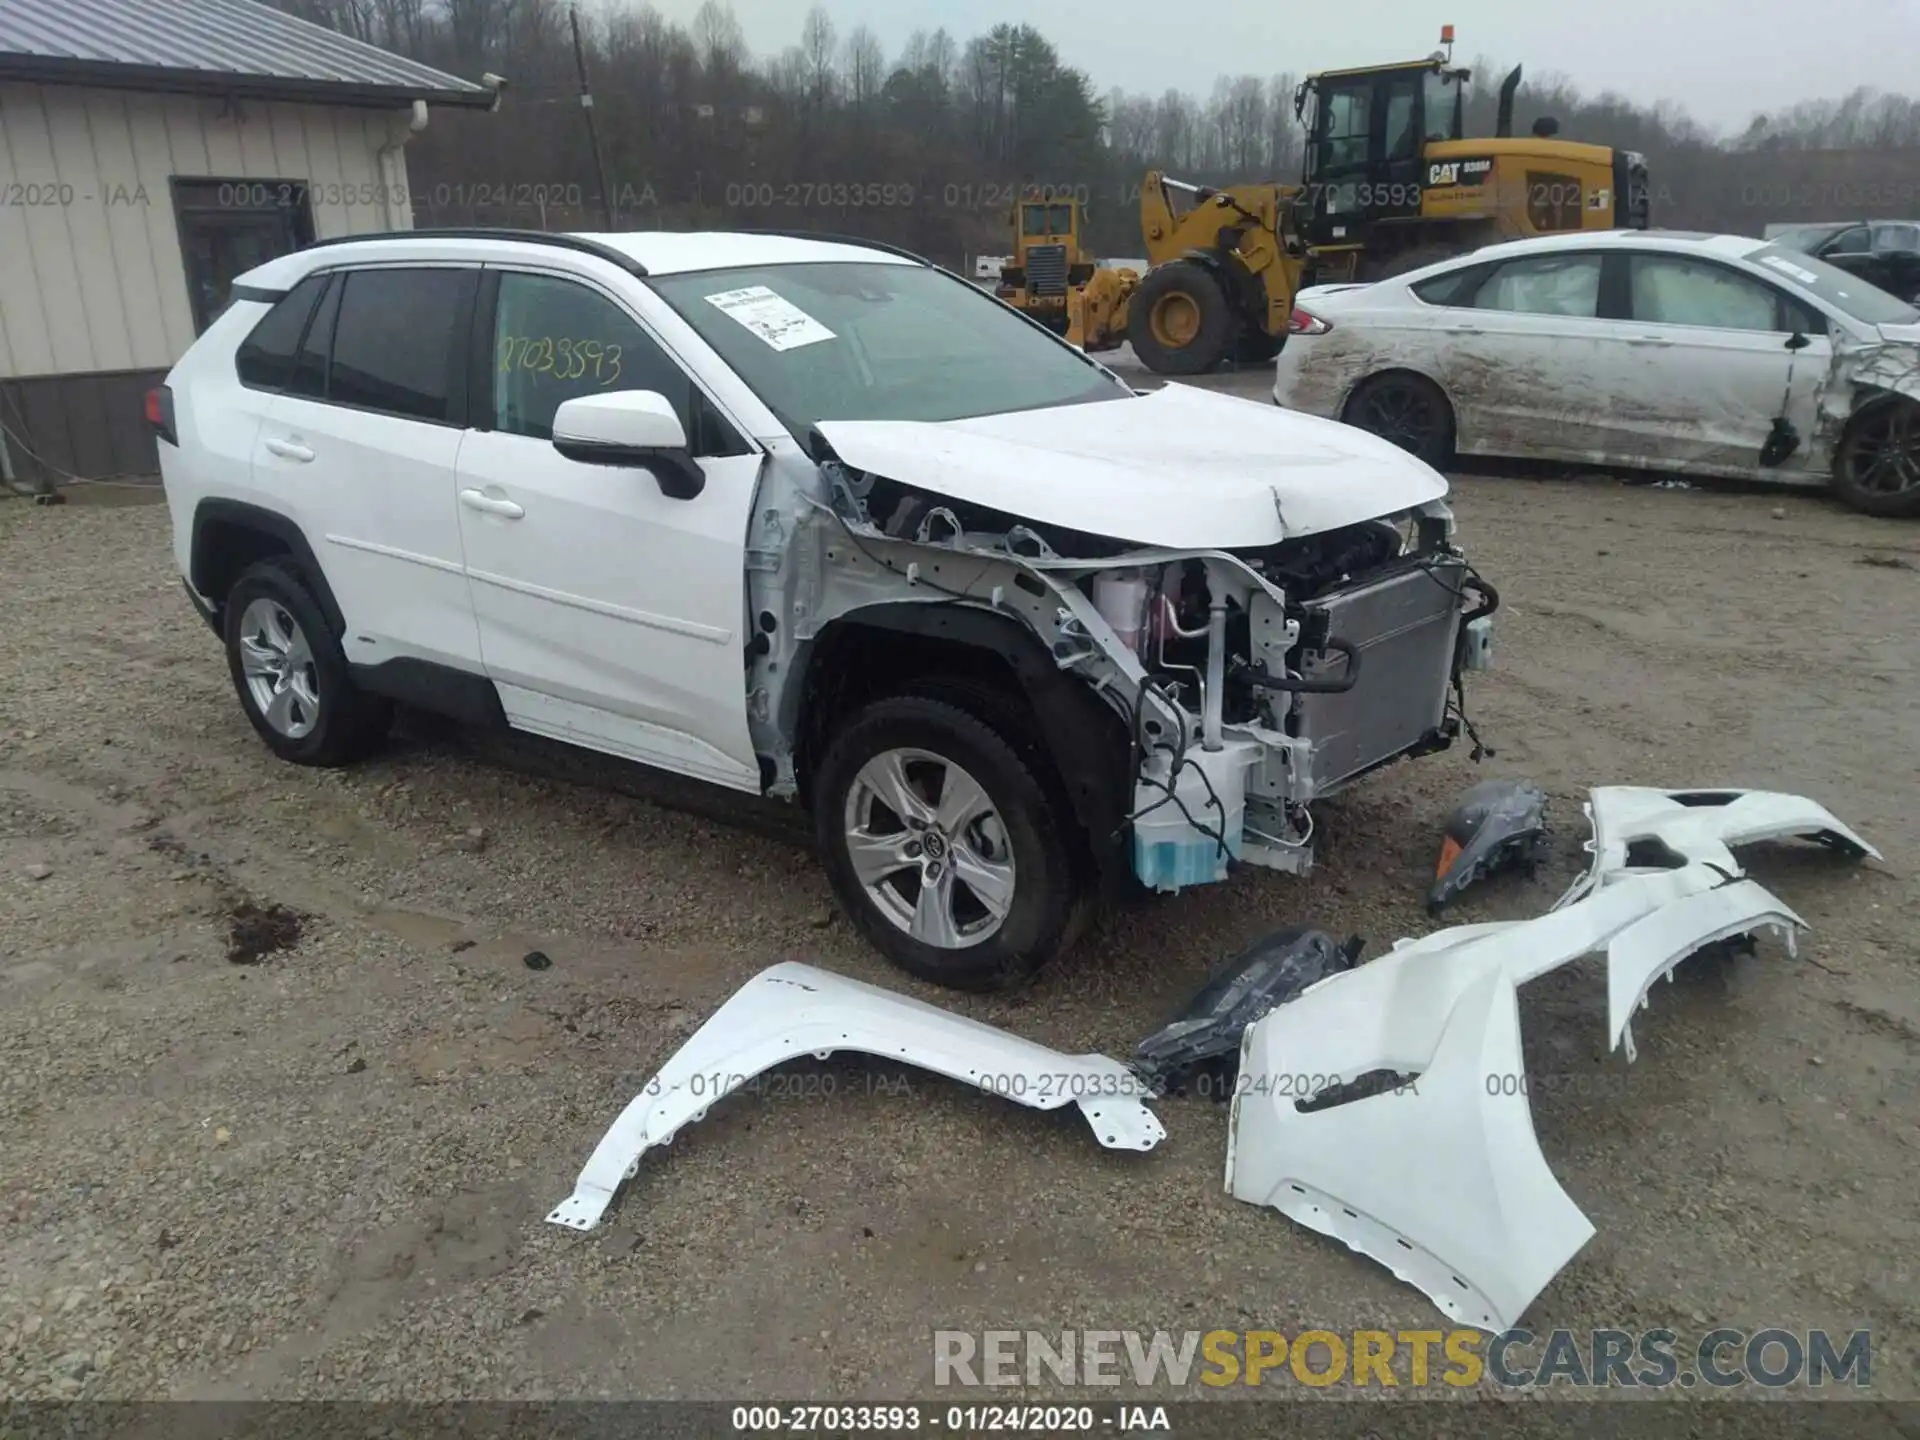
(1692, 398)
(521, 576)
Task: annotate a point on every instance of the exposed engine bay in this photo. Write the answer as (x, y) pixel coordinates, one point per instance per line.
(1252, 682)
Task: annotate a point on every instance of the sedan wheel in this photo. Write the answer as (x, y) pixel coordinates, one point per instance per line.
(930, 848)
(1877, 466)
(1408, 410)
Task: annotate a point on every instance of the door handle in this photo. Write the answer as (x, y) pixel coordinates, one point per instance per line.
(487, 505)
(288, 450)
(1649, 340)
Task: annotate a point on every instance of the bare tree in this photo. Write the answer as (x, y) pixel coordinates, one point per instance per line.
(818, 44)
(865, 69)
(723, 45)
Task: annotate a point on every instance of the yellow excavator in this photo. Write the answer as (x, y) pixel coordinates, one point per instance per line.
(1391, 184)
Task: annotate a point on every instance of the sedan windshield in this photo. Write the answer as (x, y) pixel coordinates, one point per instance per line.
(866, 341)
(1846, 293)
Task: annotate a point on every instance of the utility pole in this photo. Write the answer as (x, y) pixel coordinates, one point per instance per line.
(586, 108)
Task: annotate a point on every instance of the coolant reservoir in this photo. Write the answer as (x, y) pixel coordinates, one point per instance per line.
(1121, 599)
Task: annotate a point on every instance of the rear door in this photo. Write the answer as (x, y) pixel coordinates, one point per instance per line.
(1717, 356)
(611, 615)
(1527, 360)
(361, 446)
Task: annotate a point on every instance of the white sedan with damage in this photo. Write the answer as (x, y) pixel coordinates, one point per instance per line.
(1712, 355)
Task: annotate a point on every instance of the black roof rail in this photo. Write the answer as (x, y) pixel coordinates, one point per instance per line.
(480, 232)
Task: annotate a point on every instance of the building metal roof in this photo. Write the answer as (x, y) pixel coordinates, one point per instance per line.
(217, 47)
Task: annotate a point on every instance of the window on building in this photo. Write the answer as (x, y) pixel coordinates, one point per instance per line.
(227, 227)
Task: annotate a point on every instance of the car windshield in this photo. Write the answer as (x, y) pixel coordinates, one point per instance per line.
(1846, 293)
(866, 341)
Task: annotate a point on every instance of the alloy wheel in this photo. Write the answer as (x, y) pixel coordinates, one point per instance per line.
(1881, 455)
(277, 662)
(929, 848)
(1404, 414)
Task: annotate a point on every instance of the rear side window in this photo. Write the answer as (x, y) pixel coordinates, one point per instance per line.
(394, 341)
(1456, 287)
(1567, 285)
(309, 376)
(266, 355)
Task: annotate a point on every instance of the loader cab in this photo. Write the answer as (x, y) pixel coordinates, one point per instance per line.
(1367, 133)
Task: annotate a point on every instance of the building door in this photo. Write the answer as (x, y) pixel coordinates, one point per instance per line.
(229, 226)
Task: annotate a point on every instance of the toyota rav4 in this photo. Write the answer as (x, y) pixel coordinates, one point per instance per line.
(818, 520)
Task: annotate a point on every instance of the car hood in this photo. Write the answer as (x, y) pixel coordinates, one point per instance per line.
(1181, 467)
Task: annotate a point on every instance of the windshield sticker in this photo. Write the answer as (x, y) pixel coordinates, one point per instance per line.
(1778, 262)
(779, 322)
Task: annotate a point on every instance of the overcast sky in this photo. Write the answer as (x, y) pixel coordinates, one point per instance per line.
(1722, 59)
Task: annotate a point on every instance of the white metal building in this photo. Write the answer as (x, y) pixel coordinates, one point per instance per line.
(150, 151)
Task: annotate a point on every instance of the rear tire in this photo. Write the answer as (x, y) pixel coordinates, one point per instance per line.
(973, 897)
(1407, 409)
(1876, 467)
(291, 674)
(1179, 320)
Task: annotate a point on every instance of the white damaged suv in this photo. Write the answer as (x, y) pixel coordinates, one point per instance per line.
(818, 520)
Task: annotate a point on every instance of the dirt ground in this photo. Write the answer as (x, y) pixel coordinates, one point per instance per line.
(284, 1105)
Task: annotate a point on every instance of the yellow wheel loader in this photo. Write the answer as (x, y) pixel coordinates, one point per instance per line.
(1048, 259)
(1393, 182)
(1390, 186)
(1219, 286)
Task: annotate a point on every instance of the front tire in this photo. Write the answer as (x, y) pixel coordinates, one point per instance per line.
(1876, 467)
(955, 859)
(290, 673)
(1180, 321)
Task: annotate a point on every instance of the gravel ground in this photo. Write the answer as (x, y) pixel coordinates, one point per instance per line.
(284, 1106)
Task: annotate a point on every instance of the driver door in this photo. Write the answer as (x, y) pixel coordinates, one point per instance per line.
(610, 615)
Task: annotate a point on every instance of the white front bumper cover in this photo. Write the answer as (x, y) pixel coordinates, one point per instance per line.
(1430, 1165)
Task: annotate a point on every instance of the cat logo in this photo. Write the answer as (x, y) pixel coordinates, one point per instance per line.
(1443, 173)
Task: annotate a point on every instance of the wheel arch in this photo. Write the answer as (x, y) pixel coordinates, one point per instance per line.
(1401, 368)
(885, 648)
(230, 535)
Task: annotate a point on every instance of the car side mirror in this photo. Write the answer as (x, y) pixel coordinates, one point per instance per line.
(635, 429)
(1798, 340)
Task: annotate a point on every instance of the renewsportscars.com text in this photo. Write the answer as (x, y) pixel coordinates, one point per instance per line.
(1771, 1358)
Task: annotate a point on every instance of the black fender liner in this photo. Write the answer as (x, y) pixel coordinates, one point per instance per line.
(1084, 737)
(209, 573)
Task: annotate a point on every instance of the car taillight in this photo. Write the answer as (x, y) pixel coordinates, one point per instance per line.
(160, 414)
(1303, 323)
